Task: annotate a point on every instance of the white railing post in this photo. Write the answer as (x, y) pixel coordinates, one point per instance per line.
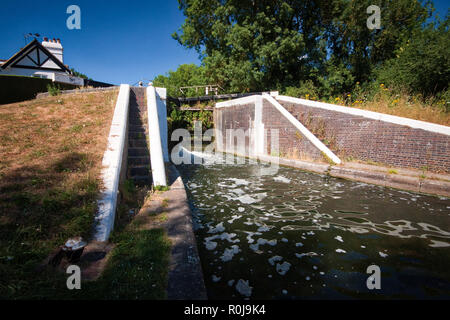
(156, 148)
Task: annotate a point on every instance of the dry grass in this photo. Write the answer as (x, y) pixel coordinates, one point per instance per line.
(51, 151)
(405, 106)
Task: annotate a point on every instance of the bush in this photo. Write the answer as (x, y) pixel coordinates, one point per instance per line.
(422, 64)
(306, 90)
(53, 89)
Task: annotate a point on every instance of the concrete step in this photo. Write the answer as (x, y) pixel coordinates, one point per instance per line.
(136, 161)
(137, 143)
(136, 128)
(139, 171)
(138, 152)
(133, 114)
(136, 135)
(142, 180)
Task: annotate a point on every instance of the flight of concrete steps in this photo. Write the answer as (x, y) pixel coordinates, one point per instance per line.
(138, 148)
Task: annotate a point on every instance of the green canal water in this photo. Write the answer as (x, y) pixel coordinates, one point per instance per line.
(298, 235)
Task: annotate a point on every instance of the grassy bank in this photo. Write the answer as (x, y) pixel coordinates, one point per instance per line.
(381, 99)
(50, 160)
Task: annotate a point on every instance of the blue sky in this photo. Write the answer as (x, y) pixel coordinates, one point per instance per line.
(119, 41)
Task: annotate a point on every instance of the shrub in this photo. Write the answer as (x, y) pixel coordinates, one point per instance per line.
(53, 89)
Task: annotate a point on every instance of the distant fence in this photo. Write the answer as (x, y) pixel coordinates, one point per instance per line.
(96, 84)
(20, 88)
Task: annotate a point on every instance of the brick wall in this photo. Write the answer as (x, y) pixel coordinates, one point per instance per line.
(292, 144)
(378, 141)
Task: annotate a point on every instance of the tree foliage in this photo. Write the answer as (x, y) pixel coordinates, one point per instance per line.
(255, 45)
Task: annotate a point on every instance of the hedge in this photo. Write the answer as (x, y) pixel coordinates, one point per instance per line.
(21, 88)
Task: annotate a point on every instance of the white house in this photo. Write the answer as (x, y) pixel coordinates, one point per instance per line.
(43, 60)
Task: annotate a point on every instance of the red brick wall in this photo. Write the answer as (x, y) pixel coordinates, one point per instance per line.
(292, 144)
(368, 139)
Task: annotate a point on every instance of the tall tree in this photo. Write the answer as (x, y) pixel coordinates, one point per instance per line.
(250, 45)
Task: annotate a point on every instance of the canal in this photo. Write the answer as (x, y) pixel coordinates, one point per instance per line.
(291, 234)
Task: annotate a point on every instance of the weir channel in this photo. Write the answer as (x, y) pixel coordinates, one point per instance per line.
(299, 235)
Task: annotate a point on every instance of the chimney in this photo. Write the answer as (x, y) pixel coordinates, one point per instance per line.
(55, 47)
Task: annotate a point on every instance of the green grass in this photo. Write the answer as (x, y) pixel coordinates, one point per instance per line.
(137, 268)
(49, 187)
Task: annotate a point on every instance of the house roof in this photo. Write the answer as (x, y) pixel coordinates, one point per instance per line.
(31, 53)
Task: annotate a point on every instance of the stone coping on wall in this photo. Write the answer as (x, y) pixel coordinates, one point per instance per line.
(416, 124)
(185, 275)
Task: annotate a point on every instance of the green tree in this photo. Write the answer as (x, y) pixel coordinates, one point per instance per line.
(186, 75)
(422, 63)
(249, 45)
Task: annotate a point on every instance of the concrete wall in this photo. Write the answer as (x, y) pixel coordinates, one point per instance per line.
(364, 135)
(112, 167)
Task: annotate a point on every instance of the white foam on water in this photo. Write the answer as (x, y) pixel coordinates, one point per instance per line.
(233, 218)
(284, 240)
(284, 291)
(283, 268)
(339, 238)
(215, 278)
(210, 245)
(261, 242)
(239, 182)
(299, 244)
(238, 191)
(341, 251)
(382, 254)
(282, 179)
(243, 287)
(229, 253)
(218, 228)
(241, 209)
(439, 244)
(308, 254)
(275, 259)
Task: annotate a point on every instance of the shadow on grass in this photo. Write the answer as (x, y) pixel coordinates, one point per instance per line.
(41, 206)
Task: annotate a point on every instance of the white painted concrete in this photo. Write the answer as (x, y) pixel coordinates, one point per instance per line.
(112, 164)
(258, 127)
(236, 102)
(311, 137)
(161, 96)
(156, 149)
(416, 124)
